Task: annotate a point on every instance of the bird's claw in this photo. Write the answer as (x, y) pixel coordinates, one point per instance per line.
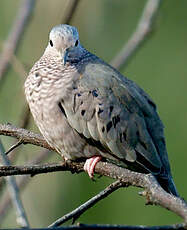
(90, 164)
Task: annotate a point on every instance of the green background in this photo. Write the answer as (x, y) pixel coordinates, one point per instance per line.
(159, 67)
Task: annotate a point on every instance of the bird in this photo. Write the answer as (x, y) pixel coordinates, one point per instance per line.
(85, 109)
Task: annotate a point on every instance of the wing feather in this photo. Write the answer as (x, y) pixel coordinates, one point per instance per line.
(114, 111)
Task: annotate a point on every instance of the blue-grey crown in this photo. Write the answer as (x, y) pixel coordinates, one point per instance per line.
(65, 30)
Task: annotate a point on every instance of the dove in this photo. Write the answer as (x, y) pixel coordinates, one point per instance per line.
(86, 109)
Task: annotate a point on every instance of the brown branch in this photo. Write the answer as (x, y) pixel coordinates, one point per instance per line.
(15, 34)
(76, 213)
(144, 28)
(26, 136)
(153, 192)
(39, 169)
(70, 10)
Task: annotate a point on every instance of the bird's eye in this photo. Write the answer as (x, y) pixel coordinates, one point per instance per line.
(51, 43)
(76, 43)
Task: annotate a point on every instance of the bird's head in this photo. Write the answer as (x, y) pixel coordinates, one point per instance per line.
(64, 41)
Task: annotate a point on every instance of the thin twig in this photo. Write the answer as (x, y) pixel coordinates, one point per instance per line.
(15, 34)
(14, 192)
(144, 28)
(34, 169)
(69, 11)
(18, 143)
(76, 213)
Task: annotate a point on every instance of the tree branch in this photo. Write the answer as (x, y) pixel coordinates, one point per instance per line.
(153, 192)
(27, 137)
(14, 192)
(15, 34)
(144, 28)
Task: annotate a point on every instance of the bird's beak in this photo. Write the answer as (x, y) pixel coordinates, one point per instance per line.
(65, 56)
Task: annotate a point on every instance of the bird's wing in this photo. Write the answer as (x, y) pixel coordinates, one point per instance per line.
(112, 110)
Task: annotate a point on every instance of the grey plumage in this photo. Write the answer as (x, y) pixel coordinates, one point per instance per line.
(84, 108)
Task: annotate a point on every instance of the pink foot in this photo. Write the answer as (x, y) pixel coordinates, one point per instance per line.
(90, 164)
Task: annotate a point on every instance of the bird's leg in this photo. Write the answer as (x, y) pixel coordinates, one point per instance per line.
(90, 164)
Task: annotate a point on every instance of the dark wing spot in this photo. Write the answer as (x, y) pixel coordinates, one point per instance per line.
(109, 126)
(141, 142)
(124, 136)
(111, 108)
(100, 111)
(83, 112)
(78, 94)
(115, 120)
(62, 109)
(94, 93)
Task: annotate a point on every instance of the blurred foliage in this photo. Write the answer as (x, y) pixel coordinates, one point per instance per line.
(159, 67)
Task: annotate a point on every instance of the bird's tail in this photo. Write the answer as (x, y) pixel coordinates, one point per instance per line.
(168, 185)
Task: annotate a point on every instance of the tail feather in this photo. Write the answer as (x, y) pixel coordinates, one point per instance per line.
(168, 185)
